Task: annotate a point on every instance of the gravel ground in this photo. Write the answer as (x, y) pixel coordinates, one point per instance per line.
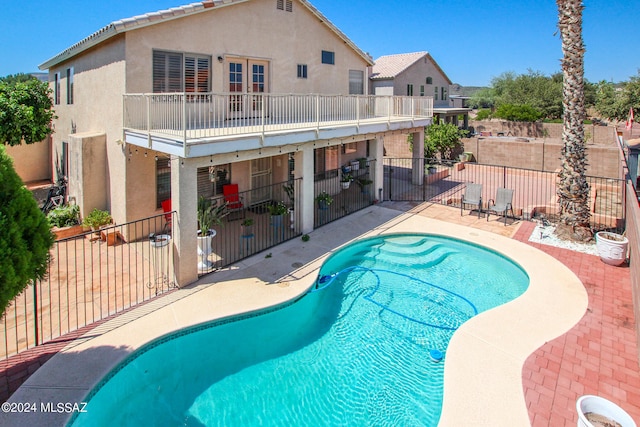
(546, 235)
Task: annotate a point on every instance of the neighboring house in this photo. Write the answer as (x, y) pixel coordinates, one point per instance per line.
(167, 104)
(418, 74)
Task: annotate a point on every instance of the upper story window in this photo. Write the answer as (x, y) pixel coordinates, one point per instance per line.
(178, 72)
(56, 88)
(302, 71)
(421, 90)
(356, 82)
(284, 5)
(409, 90)
(328, 57)
(429, 80)
(70, 85)
(435, 93)
(443, 93)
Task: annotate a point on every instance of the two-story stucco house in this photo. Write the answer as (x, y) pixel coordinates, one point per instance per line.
(417, 74)
(172, 103)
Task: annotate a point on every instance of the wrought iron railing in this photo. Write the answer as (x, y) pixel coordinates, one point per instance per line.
(339, 192)
(250, 228)
(90, 277)
(534, 191)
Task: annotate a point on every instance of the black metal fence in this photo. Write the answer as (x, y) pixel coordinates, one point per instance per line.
(253, 224)
(343, 191)
(91, 276)
(534, 191)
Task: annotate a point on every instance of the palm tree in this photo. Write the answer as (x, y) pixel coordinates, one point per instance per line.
(573, 188)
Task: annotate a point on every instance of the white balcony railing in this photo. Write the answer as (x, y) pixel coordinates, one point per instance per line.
(186, 117)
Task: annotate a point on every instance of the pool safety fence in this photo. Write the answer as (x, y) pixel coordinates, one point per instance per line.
(343, 191)
(91, 275)
(262, 217)
(535, 192)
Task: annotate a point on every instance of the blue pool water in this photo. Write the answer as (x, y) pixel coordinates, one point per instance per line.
(361, 348)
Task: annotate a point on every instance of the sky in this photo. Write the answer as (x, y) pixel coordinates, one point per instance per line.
(473, 41)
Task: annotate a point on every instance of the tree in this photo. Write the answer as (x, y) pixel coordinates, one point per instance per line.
(26, 110)
(614, 104)
(26, 236)
(518, 113)
(442, 137)
(573, 188)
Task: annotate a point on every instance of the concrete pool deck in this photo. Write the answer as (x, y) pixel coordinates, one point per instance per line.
(484, 363)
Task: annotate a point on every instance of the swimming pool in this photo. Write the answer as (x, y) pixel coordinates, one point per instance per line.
(354, 351)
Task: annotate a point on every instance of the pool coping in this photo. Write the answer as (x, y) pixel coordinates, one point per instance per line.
(483, 365)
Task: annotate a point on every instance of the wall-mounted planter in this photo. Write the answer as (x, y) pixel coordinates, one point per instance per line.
(612, 247)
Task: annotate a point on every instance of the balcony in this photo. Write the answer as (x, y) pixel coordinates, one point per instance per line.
(190, 125)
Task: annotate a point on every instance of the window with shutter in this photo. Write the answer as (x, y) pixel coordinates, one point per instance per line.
(356, 82)
(284, 5)
(177, 72)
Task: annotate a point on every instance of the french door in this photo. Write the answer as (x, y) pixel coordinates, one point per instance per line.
(248, 81)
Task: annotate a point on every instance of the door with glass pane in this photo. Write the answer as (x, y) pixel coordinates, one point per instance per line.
(248, 81)
(236, 88)
(259, 85)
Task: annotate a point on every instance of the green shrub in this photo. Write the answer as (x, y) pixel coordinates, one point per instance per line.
(97, 218)
(483, 114)
(26, 236)
(518, 113)
(64, 216)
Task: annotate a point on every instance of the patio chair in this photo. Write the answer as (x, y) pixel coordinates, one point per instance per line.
(166, 208)
(502, 203)
(472, 196)
(233, 201)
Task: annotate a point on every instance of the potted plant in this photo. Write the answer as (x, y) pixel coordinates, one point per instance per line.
(612, 247)
(247, 227)
(65, 221)
(364, 184)
(277, 212)
(209, 215)
(324, 200)
(598, 411)
(97, 219)
(345, 181)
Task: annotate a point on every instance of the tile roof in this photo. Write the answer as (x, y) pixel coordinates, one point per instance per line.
(389, 66)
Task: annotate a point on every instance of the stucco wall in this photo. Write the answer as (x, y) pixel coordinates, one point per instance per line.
(96, 108)
(417, 75)
(284, 39)
(32, 161)
(86, 179)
